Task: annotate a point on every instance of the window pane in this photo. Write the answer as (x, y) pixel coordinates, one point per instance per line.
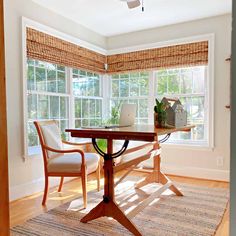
(32, 135)
(92, 108)
(61, 68)
(40, 79)
(51, 80)
(97, 87)
(85, 122)
(90, 87)
(199, 80)
(30, 62)
(32, 106)
(124, 88)
(115, 88)
(134, 86)
(161, 86)
(198, 132)
(186, 83)
(30, 78)
(85, 108)
(197, 108)
(43, 112)
(78, 123)
(143, 108)
(98, 111)
(77, 108)
(41, 64)
(143, 83)
(54, 107)
(61, 77)
(64, 106)
(173, 84)
(64, 124)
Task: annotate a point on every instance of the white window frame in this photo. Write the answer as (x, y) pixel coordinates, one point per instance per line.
(196, 143)
(209, 87)
(46, 93)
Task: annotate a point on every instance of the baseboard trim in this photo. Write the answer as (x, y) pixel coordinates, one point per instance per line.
(36, 186)
(194, 172)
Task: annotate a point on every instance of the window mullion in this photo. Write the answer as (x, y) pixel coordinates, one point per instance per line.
(151, 97)
(71, 98)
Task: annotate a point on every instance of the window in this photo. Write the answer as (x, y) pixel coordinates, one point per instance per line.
(75, 97)
(47, 98)
(50, 97)
(131, 88)
(188, 84)
(87, 98)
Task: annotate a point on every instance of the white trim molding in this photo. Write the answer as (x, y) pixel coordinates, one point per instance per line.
(194, 172)
(179, 41)
(35, 186)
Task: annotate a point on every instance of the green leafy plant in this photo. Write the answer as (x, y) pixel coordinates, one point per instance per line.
(160, 110)
(114, 119)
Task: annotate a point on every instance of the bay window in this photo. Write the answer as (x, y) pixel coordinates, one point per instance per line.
(74, 97)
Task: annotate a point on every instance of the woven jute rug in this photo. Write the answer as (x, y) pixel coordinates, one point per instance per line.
(198, 213)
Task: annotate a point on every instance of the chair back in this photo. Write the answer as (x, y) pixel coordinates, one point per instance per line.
(49, 135)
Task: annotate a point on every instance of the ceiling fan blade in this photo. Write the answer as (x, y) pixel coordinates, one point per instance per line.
(133, 3)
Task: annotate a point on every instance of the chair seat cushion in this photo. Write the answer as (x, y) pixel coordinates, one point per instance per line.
(71, 163)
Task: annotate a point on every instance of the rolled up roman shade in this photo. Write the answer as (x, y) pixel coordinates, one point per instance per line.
(45, 47)
(191, 54)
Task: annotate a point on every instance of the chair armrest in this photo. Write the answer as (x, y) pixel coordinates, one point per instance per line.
(75, 144)
(66, 151)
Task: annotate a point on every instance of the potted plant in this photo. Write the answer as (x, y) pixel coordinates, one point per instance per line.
(159, 114)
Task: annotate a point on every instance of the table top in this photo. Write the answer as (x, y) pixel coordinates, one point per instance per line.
(137, 132)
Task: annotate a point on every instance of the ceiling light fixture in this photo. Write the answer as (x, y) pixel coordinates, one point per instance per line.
(134, 3)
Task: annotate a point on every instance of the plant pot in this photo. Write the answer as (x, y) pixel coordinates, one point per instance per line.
(157, 122)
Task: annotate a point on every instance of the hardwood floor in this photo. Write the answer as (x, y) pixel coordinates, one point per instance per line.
(28, 207)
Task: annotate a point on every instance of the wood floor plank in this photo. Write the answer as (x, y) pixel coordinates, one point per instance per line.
(28, 207)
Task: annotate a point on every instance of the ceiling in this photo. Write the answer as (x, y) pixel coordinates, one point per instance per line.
(112, 17)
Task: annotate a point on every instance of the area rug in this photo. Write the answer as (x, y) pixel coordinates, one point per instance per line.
(198, 213)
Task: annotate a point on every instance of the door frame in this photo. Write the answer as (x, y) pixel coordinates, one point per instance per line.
(4, 196)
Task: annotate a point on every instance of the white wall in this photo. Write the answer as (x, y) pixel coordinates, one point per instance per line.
(27, 177)
(196, 162)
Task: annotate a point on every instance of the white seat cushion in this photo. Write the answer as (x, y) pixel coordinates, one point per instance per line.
(71, 163)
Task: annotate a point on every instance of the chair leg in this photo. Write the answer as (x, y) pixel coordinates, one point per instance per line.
(45, 191)
(60, 185)
(98, 174)
(84, 186)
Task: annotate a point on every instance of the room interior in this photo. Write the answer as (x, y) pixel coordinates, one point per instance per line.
(79, 63)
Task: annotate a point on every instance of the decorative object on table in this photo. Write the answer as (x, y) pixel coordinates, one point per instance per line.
(175, 114)
(159, 114)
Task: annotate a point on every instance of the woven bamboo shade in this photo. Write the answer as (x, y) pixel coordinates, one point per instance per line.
(191, 54)
(48, 48)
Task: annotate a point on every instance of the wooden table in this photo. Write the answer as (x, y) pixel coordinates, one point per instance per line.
(108, 207)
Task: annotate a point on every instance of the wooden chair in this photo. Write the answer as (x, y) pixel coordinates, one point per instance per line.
(60, 162)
